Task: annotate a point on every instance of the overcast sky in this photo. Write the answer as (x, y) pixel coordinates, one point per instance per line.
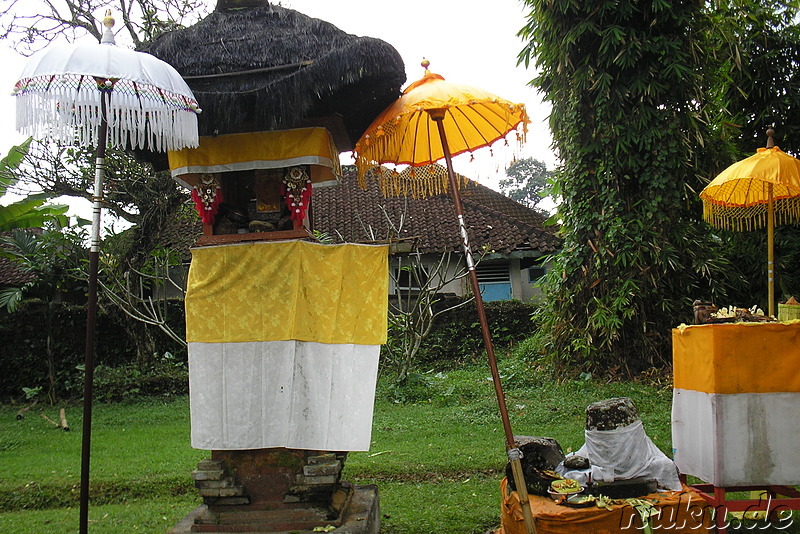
(466, 41)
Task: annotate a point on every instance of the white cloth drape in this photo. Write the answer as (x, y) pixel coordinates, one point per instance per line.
(737, 439)
(624, 453)
(293, 394)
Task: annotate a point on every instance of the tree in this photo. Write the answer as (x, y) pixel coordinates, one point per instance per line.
(527, 182)
(135, 291)
(763, 82)
(763, 89)
(632, 124)
(31, 26)
(133, 190)
(412, 311)
(51, 258)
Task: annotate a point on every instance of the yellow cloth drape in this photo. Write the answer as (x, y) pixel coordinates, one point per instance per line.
(288, 290)
(737, 358)
(259, 150)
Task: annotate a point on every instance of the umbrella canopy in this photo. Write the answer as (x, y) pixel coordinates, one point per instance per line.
(60, 89)
(406, 133)
(755, 192)
(435, 119)
(97, 94)
(739, 197)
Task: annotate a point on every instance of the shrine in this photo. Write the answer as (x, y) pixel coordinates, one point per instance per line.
(284, 332)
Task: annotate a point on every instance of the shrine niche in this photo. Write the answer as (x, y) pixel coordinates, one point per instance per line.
(257, 185)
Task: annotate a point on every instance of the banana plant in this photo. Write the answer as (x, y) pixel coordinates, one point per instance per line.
(31, 211)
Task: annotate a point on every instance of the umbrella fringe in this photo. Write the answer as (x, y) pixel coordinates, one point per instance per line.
(416, 182)
(745, 218)
(156, 122)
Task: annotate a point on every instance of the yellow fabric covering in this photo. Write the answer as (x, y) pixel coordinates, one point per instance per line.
(737, 358)
(291, 290)
(259, 150)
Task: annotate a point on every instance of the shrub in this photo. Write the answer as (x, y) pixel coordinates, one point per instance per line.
(25, 344)
(456, 335)
(164, 377)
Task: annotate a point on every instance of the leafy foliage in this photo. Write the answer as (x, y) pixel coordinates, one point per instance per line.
(762, 88)
(132, 262)
(51, 259)
(628, 85)
(762, 81)
(26, 344)
(31, 211)
(133, 190)
(454, 338)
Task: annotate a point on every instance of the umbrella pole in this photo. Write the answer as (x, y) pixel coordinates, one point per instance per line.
(514, 453)
(91, 316)
(770, 251)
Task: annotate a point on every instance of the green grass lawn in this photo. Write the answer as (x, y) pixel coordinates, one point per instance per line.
(437, 462)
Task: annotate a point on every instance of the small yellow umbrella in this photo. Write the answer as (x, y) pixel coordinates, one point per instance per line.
(755, 192)
(435, 119)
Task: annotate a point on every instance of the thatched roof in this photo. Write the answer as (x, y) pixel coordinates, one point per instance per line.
(269, 68)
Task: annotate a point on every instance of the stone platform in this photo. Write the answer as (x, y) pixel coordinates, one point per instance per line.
(360, 515)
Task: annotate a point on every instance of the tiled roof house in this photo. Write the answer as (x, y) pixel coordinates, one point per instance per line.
(10, 272)
(512, 235)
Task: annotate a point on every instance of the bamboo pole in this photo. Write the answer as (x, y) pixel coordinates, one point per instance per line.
(770, 251)
(514, 453)
(91, 318)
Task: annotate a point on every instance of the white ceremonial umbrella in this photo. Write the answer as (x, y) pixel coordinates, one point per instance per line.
(95, 94)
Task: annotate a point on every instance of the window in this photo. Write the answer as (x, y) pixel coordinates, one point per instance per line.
(493, 272)
(410, 278)
(535, 273)
(494, 280)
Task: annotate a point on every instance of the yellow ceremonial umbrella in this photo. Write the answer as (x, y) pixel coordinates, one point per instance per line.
(755, 192)
(435, 119)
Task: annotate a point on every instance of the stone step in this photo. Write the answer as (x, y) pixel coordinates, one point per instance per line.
(269, 517)
(212, 474)
(210, 465)
(233, 491)
(227, 501)
(322, 459)
(244, 529)
(315, 470)
(227, 482)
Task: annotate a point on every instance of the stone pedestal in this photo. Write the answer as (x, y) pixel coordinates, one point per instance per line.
(611, 414)
(278, 490)
(539, 454)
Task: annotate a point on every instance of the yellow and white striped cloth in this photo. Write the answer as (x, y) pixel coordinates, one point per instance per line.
(284, 339)
(259, 150)
(736, 403)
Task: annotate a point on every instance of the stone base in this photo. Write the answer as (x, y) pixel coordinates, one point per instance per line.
(538, 454)
(360, 515)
